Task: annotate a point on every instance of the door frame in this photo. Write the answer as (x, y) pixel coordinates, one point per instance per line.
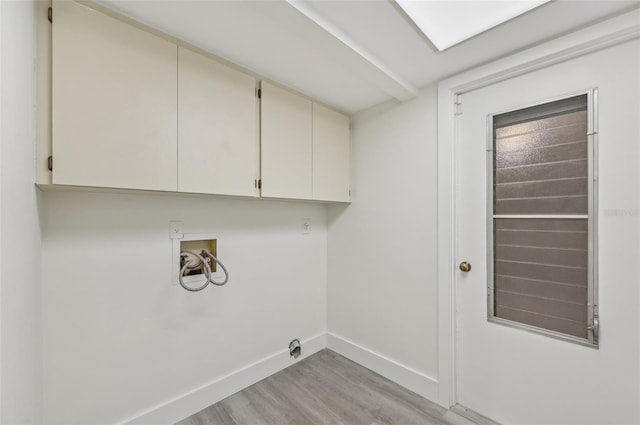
(605, 34)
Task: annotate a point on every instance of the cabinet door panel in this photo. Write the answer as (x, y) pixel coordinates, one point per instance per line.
(114, 103)
(331, 155)
(286, 144)
(218, 145)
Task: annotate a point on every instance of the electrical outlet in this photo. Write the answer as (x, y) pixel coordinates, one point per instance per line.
(176, 229)
(306, 226)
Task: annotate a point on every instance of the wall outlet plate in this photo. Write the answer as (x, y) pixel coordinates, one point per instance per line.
(306, 226)
(176, 229)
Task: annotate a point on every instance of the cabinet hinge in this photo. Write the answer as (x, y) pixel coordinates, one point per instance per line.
(50, 163)
(259, 93)
(257, 183)
(260, 184)
(50, 14)
(457, 103)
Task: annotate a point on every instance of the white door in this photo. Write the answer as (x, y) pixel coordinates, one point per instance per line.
(518, 377)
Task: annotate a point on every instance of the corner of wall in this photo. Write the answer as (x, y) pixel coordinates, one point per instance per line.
(20, 279)
(382, 248)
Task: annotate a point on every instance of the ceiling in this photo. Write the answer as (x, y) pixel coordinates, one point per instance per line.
(350, 54)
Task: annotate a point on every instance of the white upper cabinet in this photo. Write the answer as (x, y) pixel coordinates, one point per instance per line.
(218, 142)
(133, 110)
(114, 103)
(306, 148)
(331, 155)
(286, 144)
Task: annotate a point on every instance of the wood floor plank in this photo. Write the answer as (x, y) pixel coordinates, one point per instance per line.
(215, 414)
(324, 389)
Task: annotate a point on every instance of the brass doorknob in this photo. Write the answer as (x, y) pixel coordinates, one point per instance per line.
(465, 267)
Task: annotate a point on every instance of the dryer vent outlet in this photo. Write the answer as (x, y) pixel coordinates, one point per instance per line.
(295, 348)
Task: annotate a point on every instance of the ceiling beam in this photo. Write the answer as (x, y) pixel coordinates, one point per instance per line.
(371, 68)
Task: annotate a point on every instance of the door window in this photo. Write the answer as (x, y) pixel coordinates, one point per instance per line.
(541, 262)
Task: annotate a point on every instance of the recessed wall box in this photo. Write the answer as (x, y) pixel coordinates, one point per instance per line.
(194, 242)
(197, 246)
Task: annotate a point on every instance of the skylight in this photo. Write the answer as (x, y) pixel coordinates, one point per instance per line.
(449, 22)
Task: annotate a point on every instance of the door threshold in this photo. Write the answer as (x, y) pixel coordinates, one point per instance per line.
(472, 415)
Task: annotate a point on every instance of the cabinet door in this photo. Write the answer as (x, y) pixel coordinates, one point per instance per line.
(331, 155)
(218, 144)
(114, 103)
(286, 144)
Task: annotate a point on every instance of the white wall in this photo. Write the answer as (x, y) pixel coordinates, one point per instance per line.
(119, 338)
(382, 289)
(21, 362)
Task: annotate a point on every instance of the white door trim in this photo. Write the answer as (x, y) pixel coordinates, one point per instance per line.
(597, 37)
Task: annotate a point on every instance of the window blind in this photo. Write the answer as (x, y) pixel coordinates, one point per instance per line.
(540, 222)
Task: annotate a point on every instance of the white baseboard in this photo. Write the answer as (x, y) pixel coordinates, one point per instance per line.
(411, 379)
(187, 404)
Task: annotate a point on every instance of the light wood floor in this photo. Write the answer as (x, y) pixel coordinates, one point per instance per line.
(325, 388)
